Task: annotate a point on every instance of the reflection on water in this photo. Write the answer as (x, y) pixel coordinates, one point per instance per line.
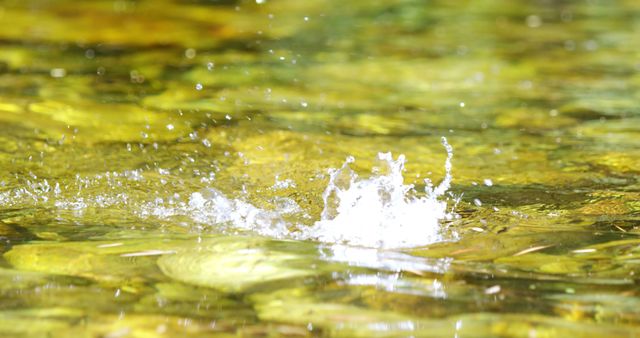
(382, 260)
(165, 168)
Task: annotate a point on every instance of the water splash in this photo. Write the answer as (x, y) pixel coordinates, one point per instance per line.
(377, 212)
(382, 211)
(213, 207)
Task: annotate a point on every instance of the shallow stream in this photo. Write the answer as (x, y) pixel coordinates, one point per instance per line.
(402, 168)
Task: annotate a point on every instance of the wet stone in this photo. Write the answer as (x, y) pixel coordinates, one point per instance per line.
(237, 264)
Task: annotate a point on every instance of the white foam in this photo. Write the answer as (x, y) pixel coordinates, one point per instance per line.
(382, 211)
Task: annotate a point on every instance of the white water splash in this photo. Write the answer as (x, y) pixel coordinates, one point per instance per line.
(382, 211)
(376, 212)
(215, 208)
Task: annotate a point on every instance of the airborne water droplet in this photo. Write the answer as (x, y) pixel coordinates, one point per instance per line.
(381, 211)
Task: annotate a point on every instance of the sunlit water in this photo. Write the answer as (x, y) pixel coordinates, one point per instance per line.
(379, 212)
(177, 168)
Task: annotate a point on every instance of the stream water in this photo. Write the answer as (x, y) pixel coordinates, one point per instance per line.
(221, 168)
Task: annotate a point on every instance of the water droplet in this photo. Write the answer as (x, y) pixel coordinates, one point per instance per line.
(136, 77)
(58, 72)
(591, 45)
(534, 21)
(199, 86)
(190, 53)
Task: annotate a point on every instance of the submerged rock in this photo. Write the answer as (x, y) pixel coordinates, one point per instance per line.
(69, 322)
(340, 319)
(116, 263)
(236, 264)
(337, 319)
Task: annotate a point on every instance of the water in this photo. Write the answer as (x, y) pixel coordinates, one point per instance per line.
(379, 212)
(382, 211)
(177, 168)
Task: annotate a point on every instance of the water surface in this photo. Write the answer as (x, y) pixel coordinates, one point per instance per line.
(164, 168)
